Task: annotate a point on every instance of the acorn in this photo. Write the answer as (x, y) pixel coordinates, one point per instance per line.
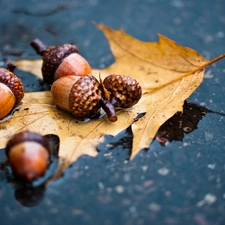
(124, 90)
(78, 95)
(60, 60)
(11, 90)
(28, 154)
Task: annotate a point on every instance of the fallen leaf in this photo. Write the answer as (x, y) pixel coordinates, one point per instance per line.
(167, 72)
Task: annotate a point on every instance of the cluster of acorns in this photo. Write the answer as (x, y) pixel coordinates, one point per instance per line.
(73, 89)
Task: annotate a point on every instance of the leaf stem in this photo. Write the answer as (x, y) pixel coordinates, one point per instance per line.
(191, 72)
(204, 65)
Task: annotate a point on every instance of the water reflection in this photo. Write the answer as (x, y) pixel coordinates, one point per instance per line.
(182, 123)
(29, 196)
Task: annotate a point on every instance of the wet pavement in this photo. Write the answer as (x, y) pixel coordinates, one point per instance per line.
(180, 183)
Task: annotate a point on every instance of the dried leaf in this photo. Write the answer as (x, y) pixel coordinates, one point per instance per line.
(167, 72)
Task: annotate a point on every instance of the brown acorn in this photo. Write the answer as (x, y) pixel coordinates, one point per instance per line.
(80, 96)
(60, 60)
(124, 90)
(11, 90)
(28, 154)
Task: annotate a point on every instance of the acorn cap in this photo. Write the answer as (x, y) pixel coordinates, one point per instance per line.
(52, 58)
(124, 90)
(85, 96)
(13, 82)
(26, 136)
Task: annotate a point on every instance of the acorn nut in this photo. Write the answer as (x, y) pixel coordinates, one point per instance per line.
(78, 95)
(60, 60)
(28, 154)
(124, 90)
(11, 90)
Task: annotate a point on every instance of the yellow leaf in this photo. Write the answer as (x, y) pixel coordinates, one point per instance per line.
(161, 68)
(167, 72)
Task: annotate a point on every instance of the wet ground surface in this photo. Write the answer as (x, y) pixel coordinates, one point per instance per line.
(181, 183)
